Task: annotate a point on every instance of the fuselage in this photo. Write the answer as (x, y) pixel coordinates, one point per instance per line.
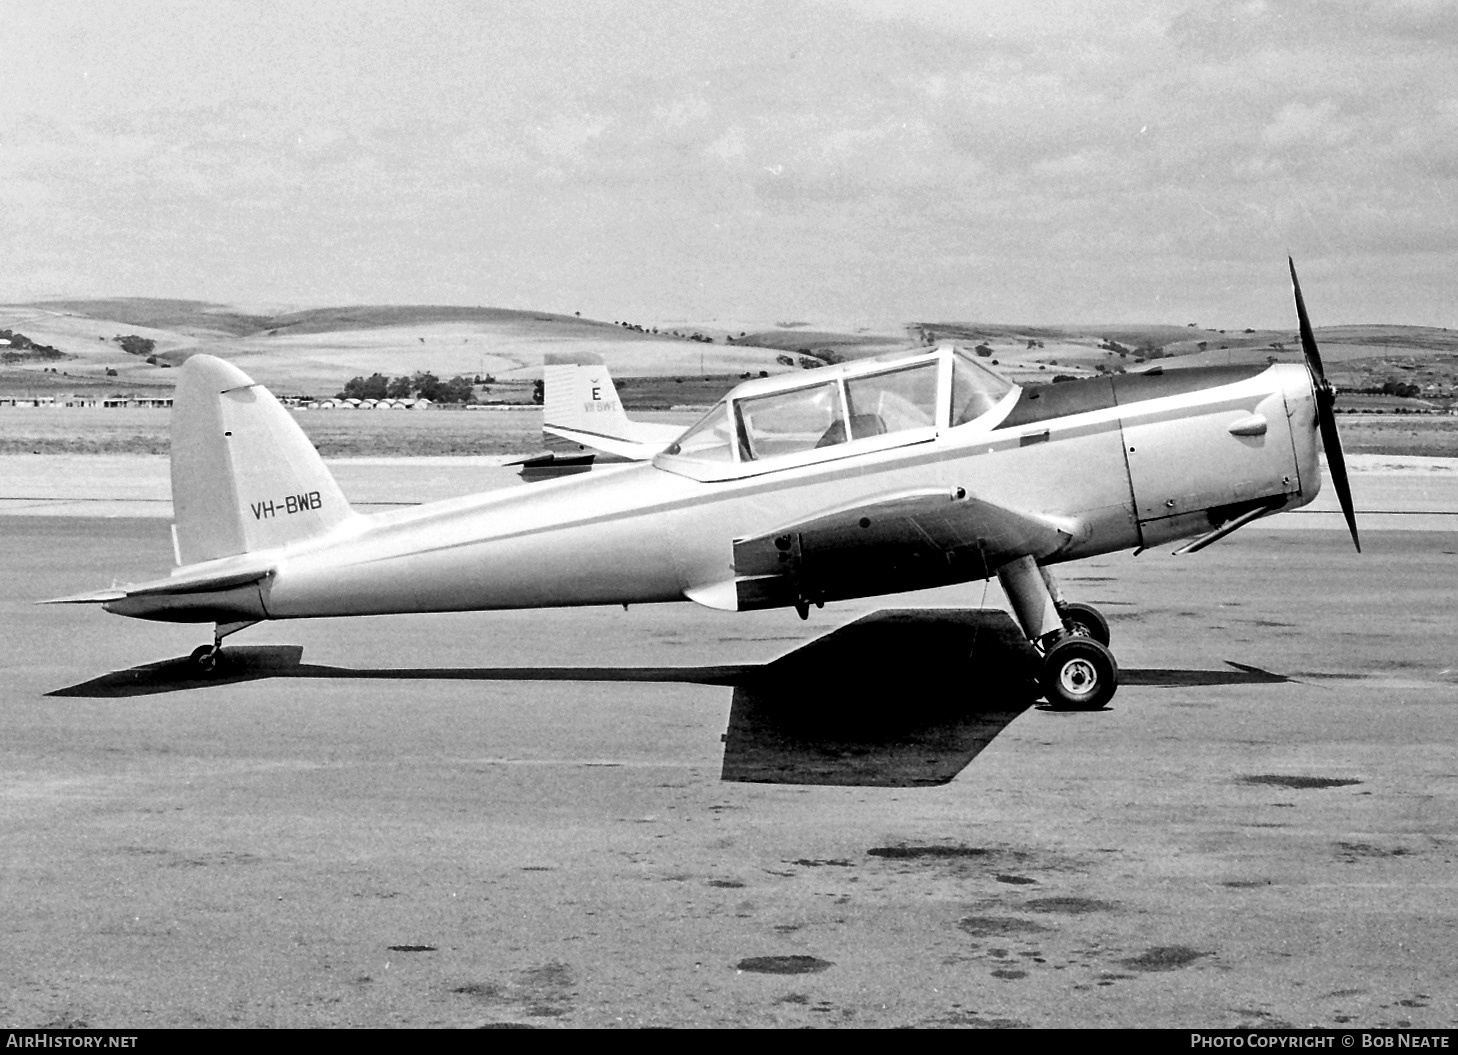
(1126, 462)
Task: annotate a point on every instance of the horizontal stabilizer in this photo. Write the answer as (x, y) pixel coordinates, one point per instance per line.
(552, 465)
(637, 450)
(198, 583)
(219, 586)
(94, 597)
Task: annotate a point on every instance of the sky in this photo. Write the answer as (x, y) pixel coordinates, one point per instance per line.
(846, 162)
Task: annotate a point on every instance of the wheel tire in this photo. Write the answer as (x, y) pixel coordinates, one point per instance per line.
(1086, 621)
(205, 658)
(1079, 674)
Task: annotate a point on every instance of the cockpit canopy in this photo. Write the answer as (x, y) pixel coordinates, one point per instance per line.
(848, 409)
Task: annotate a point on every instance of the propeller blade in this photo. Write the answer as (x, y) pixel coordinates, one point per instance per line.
(1325, 416)
(1336, 461)
(1308, 339)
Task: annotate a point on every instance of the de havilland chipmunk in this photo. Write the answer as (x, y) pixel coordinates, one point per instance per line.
(866, 478)
(583, 417)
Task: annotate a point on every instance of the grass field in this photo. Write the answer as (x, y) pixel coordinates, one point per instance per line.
(339, 434)
(1427, 435)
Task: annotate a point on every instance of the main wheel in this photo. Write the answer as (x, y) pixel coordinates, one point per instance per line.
(1079, 674)
(1086, 621)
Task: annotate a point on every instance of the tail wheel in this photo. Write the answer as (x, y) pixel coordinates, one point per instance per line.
(1079, 674)
(205, 658)
(1086, 621)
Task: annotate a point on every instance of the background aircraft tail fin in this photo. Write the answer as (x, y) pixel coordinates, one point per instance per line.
(244, 475)
(578, 394)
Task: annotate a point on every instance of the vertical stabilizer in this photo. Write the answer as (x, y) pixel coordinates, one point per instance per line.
(578, 394)
(244, 475)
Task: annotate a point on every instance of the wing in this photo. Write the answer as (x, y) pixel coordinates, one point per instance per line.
(908, 541)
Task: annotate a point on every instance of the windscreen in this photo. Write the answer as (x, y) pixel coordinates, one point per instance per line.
(975, 389)
(710, 440)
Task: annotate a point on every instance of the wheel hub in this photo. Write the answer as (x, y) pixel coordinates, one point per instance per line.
(1078, 677)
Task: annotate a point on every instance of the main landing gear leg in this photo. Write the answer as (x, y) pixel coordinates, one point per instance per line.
(1078, 671)
(1077, 618)
(207, 657)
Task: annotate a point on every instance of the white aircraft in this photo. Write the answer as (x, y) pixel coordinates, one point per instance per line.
(580, 404)
(583, 416)
(870, 477)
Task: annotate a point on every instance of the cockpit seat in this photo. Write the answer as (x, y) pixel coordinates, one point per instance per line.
(862, 425)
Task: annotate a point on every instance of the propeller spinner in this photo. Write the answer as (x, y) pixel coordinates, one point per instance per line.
(1326, 418)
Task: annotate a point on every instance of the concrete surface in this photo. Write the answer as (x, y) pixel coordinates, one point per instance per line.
(1261, 831)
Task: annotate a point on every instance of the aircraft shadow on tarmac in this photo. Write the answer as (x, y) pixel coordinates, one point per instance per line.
(898, 698)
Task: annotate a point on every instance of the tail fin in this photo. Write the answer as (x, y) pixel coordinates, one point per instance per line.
(244, 475)
(578, 394)
(581, 405)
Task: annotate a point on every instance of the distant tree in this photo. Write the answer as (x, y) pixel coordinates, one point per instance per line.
(457, 390)
(398, 388)
(372, 387)
(539, 391)
(984, 350)
(426, 385)
(134, 345)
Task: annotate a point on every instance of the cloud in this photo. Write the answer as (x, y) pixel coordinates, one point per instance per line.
(841, 156)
